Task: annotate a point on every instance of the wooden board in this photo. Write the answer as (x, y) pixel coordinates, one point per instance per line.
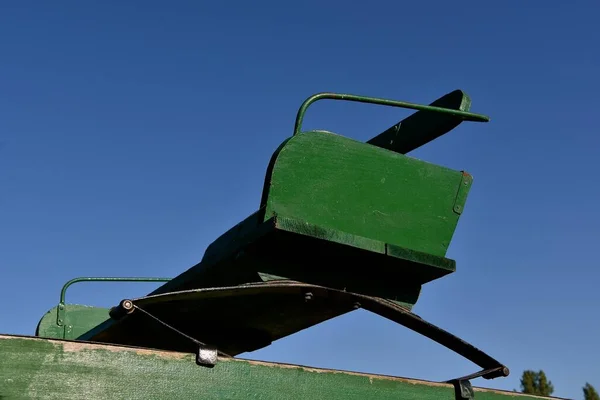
(338, 183)
(273, 252)
(56, 369)
(305, 252)
(342, 191)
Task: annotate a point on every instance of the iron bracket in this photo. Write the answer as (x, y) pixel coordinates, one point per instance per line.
(462, 386)
(463, 390)
(463, 190)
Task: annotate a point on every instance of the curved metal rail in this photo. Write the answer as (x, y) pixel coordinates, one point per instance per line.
(467, 116)
(63, 292)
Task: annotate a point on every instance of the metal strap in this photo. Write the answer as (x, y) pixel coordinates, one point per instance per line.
(491, 368)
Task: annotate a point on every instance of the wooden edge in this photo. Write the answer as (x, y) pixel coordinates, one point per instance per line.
(73, 346)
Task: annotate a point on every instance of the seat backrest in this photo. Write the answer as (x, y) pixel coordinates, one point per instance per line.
(339, 183)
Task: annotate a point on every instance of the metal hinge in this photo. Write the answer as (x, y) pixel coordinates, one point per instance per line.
(463, 190)
(462, 386)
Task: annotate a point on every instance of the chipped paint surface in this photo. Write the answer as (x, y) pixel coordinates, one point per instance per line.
(35, 367)
(82, 346)
(361, 374)
(314, 170)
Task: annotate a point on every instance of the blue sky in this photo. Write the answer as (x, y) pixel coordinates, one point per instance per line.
(132, 134)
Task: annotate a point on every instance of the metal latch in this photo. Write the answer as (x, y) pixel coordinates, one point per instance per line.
(463, 390)
(463, 190)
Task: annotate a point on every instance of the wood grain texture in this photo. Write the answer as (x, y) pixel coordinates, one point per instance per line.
(360, 195)
(343, 214)
(55, 369)
(342, 184)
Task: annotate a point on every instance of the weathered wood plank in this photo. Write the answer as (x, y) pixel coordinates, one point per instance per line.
(42, 368)
(342, 184)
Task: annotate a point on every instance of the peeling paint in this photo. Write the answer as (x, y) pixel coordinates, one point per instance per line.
(82, 346)
(60, 369)
(334, 371)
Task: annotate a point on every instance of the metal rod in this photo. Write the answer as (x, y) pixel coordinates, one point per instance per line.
(63, 291)
(468, 116)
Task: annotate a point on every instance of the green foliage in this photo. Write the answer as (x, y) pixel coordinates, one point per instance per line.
(589, 393)
(536, 383)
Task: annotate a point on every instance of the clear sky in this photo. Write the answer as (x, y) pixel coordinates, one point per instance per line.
(132, 134)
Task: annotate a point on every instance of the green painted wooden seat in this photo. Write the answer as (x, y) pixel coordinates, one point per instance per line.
(337, 212)
(335, 215)
(349, 187)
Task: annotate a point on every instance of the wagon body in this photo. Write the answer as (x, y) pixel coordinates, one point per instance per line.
(60, 369)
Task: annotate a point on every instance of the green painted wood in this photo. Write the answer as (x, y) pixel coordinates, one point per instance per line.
(324, 252)
(347, 203)
(42, 368)
(276, 247)
(78, 320)
(342, 191)
(342, 184)
(423, 126)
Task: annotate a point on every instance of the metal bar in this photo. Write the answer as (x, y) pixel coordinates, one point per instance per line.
(52, 368)
(491, 368)
(63, 291)
(387, 309)
(467, 116)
